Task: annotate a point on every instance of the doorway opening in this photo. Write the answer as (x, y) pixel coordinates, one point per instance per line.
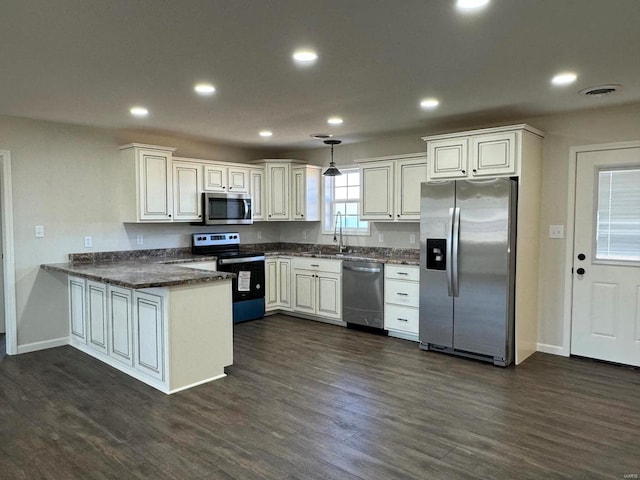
(8, 274)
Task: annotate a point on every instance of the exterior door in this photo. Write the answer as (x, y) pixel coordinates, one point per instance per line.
(606, 284)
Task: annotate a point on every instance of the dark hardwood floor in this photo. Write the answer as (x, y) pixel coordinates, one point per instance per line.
(305, 400)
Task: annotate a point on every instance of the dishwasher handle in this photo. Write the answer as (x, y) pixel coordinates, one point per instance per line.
(353, 268)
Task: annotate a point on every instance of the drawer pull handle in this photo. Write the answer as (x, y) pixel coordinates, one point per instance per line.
(403, 294)
(403, 273)
(315, 265)
(403, 319)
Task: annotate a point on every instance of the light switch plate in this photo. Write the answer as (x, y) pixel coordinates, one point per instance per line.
(556, 231)
(88, 242)
(412, 238)
(139, 239)
(380, 238)
(39, 231)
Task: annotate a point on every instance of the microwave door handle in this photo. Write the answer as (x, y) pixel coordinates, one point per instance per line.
(247, 210)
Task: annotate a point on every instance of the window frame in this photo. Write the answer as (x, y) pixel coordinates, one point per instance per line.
(328, 202)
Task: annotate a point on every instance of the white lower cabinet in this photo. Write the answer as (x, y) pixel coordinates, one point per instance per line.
(277, 283)
(157, 335)
(119, 308)
(402, 301)
(97, 316)
(317, 287)
(148, 322)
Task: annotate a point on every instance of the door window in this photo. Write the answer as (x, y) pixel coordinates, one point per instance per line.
(618, 215)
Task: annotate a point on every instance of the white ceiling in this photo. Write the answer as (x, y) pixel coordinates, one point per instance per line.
(89, 61)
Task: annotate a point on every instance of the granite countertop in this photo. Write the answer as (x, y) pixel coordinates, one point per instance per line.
(143, 272)
(167, 267)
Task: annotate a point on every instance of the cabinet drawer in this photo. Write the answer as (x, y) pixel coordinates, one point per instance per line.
(333, 266)
(402, 293)
(405, 319)
(402, 272)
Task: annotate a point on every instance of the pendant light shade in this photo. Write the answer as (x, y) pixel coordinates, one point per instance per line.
(332, 171)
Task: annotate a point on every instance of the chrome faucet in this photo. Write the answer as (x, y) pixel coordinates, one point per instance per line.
(341, 246)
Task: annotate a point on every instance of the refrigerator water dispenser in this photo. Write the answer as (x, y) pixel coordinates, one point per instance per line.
(436, 253)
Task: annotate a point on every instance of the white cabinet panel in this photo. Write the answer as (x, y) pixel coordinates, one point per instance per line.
(278, 191)
(284, 283)
(329, 302)
(304, 288)
(402, 301)
(120, 325)
(447, 158)
(215, 178)
(97, 316)
(402, 293)
(493, 155)
(257, 190)
(402, 272)
(377, 191)
(405, 319)
(77, 312)
(148, 321)
(238, 180)
(409, 176)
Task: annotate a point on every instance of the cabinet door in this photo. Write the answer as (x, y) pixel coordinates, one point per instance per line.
(278, 192)
(77, 309)
(493, 155)
(148, 317)
(329, 295)
(257, 190)
(447, 158)
(186, 191)
(376, 191)
(271, 284)
(284, 283)
(304, 291)
(409, 175)
(298, 193)
(238, 180)
(120, 324)
(97, 316)
(156, 199)
(215, 178)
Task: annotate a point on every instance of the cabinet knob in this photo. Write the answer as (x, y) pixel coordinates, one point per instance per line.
(302, 214)
(475, 171)
(169, 216)
(390, 216)
(464, 171)
(398, 215)
(229, 188)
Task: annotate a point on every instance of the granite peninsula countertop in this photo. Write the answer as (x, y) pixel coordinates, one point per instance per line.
(143, 271)
(169, 267)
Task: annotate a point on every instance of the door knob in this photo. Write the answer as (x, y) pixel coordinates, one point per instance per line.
(581, 256)
(580, 271)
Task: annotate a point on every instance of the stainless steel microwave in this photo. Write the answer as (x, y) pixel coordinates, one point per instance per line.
(226, 209)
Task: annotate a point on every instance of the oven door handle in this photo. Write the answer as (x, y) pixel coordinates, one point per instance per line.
(232, 261)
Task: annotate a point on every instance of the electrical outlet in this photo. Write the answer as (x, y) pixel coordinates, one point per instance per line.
(139, 240)
(304, 235)
(88, 242)
(39, 230)
(412, 238)
(556, 231)
(381, 238)
(259, 235)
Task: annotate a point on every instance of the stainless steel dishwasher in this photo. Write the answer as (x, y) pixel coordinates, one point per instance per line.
(363, 293)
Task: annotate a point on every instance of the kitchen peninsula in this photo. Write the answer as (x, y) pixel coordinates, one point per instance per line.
(163, 317)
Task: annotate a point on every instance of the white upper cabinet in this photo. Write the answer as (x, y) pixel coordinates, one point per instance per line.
(376, 191)
(186, 191)
(147, 187)
(305, 192)
(257, 191)
(490, 152)
(278, 175)
(390, 187)
(223, 178)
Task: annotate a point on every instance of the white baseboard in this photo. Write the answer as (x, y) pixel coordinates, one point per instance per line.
(552, 349)
(35, 346)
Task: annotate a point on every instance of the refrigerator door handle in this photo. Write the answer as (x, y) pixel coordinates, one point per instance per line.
(448, 254)
(454, 247)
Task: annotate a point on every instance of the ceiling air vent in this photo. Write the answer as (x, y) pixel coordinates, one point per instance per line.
(600, 90)
(320, 136)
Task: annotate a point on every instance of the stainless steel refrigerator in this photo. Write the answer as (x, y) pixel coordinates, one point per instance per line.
(467, 268)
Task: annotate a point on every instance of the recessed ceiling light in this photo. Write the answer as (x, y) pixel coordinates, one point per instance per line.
(564, 78)
(429, 103)
(266, 133)
(335, 121)
(139, 111)
(468, 5)
(204, 89)
(305, 56)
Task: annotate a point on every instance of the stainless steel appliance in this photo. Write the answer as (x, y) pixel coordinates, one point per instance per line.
(226, 209)
(363, 293)
(467, 274)
(248, 286)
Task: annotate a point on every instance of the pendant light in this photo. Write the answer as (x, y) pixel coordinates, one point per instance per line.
(332, 171)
